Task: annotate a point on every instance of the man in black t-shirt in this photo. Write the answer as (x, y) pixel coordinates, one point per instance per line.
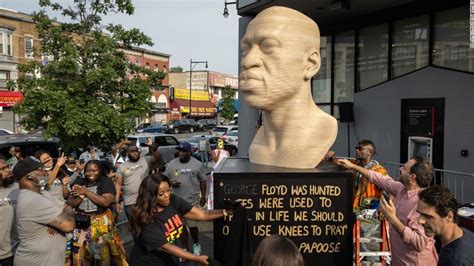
(438, 214)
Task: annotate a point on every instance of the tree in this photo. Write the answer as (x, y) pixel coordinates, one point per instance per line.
(88, 92)
(228, 108)
(177, 69)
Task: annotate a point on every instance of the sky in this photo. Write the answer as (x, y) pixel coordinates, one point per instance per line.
(186, 29)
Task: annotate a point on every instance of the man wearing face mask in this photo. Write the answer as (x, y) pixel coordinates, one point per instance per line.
(42, 219)
(187, 177)
(8, 229)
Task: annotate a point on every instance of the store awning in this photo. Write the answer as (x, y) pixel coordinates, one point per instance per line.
(198, 108)
(10, 98)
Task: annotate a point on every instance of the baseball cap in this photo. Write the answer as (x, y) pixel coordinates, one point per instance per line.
(25, 166)
(184, 146)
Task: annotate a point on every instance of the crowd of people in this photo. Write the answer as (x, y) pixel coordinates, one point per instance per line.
(63, 211)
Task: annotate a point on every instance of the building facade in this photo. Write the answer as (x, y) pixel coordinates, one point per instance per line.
(397, 72)
(18, 39)
(156, 61)
(206, 91)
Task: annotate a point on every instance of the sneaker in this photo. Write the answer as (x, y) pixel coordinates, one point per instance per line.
(196, 249)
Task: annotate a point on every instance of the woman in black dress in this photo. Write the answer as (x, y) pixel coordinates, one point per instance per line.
(157, 223)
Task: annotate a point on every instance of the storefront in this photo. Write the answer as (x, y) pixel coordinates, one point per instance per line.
(8, 120)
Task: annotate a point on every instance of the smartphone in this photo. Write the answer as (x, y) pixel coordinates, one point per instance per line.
(386, 195)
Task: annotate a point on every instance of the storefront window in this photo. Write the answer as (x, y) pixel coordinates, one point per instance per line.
(322, 80)
(410, 47)
(373, 53)
(451, 40)
(344, 67)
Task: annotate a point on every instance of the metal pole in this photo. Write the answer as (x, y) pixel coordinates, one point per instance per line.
(190, 84)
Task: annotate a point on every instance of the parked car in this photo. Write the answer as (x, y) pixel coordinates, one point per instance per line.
(194, 141)
(183, 125)
(207, 123)
(222, 130)
(167, 143)
(29, 144)
(232, 137)
(5, 131)
(156, 128)
(141, 127)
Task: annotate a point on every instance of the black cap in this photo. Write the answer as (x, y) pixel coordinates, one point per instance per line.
(26, 166)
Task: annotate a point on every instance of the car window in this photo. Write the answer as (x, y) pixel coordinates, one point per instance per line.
(212, 141)
(171, 140)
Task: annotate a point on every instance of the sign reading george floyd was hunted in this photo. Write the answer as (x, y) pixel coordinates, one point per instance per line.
(311, 207)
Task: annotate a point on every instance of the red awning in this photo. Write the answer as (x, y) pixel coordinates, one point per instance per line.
(199, 108)
(10, 98)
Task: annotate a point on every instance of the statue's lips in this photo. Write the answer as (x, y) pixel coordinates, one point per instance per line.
(249, 81)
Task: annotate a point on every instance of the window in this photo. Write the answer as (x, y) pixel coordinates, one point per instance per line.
(344, 44)
(28, 47)
(373, 53)
(451, 40)
(1, 42)
(322, 80)
(4, 78)
(164, 69)
(5, 41)
(156, 68)
(410, 47)
(147, 66)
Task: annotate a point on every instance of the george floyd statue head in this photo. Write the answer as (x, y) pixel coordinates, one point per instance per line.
(280, 55)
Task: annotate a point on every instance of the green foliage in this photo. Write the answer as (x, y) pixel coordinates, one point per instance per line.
(177, 69)
(228, 109)
(88, 92)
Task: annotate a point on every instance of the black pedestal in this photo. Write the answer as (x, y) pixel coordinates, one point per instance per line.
(311, 207)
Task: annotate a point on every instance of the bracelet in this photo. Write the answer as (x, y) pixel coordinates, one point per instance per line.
(225, 212)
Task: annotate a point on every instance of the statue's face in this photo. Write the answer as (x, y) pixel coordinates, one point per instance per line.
(273, 60)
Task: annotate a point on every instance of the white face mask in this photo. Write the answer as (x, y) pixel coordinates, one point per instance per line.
(48, 168)
(41, 180)
(72, 169)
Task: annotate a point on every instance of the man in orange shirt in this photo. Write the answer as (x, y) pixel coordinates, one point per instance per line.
(366, 194)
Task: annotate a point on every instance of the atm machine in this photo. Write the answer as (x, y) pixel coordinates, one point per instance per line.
(420, 146)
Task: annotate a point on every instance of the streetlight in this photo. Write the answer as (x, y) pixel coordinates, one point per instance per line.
(191, 66)
(226, 11)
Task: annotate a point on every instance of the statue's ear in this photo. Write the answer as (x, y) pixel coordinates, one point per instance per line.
(313, 63)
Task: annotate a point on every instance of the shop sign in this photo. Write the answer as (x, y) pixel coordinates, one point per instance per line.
(10, 98)
(183, 94)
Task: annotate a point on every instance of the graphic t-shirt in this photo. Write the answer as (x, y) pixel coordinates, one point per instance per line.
(132, 174)
(167, 227)
(8, 232)
(189, 175)
(102, 185)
